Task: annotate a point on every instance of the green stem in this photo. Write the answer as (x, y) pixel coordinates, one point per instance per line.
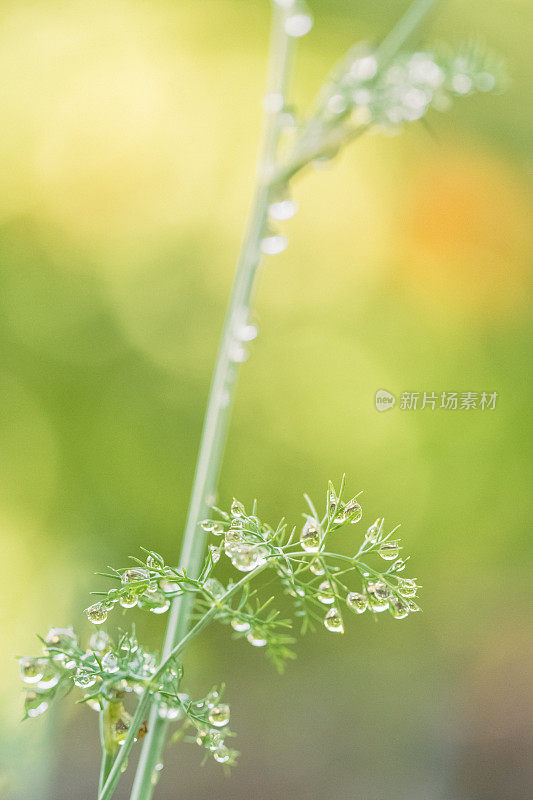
(223, 384)
(107, 758)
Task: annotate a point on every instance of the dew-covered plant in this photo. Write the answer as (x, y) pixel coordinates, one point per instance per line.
(140, 695)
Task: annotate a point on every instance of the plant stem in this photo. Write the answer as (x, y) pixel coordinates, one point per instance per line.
(107, 758)
(223, 383)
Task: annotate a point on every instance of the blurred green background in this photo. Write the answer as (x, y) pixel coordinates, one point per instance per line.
(127, 155)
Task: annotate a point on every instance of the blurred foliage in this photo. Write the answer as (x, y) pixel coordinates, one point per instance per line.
(127, 154)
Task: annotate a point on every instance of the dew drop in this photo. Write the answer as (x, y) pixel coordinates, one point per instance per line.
(84, 678)
(256, 640)
(110, 662)
(273, 102)
(407, 587)
(364, 68)
(159, 603)
(325, 593)
(389, 550)
(317, 568)
(282, 208)
(353, 511)
(333, 621)
(134, 575)
(154, 561)
(100, 641)
(461, 84)
(357, 602)
(372, 533)
(219, 715)
(273, 243)
(34, 704)
(32, 669)
(310, 536)
(221, 754)
(50, 678)
(298, 24)
(336, 104)
(128, 599)
(246, 557)
(238, 354)
(247, 333)
(398, 609)
(61, 637)
(97, 613)
(240, 625)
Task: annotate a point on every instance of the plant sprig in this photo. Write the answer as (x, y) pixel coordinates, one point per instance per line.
(315, 578)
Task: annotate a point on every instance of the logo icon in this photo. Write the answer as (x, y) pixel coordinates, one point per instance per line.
(384, 400)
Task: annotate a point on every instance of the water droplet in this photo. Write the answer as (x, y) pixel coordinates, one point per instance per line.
(372, 534)
(273, 102)
(247, 333)
(336, 104)
(364, 68)
(237, 509)
(331, 500)
(238, 353)
(32, 669)
(84, 678)
(154, 561)
(61, 637)
(357, 602)
(377, 597)
(407, 587)
(389, 550)
(215, 588)
(282, 207)
(100, 641)
(96, 613)
(317, 568)
(333, 621)
(221, 754)
(159, 603)
(128, 599)
(256, 640)
(399, 565)
(325, 593)
(232, 540)
(412, 605)
(353, 511)
(50, 677)
(246, 557)
(341, 516)
(110, 662)
(381, 590)
(462, 84)
(240, 625)
(134, 575)
(124, 766)
(298, 24)
(219, 715)
(273, 243)
(398, 609)
(310, 536)
(34, 704)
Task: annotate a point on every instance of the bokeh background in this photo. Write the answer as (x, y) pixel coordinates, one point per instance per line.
(127, 153)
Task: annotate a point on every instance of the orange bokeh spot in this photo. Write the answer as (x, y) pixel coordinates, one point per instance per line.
(464, 233)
